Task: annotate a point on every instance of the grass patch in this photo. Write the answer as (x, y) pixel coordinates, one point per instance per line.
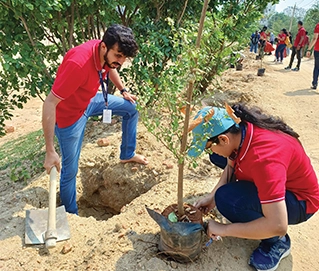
(23, 158)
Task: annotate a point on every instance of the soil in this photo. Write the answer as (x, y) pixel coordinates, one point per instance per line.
(128, 240)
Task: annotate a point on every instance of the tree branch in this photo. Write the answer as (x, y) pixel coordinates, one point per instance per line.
(183, 11)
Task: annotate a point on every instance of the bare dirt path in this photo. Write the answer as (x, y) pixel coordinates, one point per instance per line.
(128, 241)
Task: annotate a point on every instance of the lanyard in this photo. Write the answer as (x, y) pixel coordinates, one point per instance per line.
(104, 89)
(234, 154)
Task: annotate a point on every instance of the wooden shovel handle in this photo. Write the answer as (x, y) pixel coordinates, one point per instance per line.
(51, 234)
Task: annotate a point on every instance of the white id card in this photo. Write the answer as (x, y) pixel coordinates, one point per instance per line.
(107, 116)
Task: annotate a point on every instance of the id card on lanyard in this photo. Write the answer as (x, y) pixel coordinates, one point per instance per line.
(107, 113)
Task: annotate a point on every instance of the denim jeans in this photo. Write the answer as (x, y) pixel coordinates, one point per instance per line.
(315, 69)
(70, 141)
(253, 47)
(294, 52)
(239, 202)
(280, 51)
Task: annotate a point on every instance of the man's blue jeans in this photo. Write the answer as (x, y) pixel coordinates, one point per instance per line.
(316, 69)
(253, 47)
(70, 141)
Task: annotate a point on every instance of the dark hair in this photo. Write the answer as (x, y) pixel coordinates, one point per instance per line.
(300, 22)
(285, 31)
(255, 116)
(235, 129)
(123, 36)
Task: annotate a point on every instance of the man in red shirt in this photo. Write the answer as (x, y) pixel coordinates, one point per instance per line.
(74, 98)
(315, 42)
(297, 47)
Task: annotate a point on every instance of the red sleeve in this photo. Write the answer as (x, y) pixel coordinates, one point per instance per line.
(316, 29)
(69, 78)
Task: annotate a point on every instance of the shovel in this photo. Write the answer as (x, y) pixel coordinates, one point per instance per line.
(47, 225)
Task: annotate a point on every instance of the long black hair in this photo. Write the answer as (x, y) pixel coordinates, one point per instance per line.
(255, 116)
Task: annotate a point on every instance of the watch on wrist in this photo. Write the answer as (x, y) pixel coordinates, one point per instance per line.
(123, 90)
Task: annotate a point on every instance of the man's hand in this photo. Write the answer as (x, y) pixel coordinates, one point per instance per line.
(130, 97)
(52, 159)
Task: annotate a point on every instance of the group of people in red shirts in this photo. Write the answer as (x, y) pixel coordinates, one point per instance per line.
(284, 43)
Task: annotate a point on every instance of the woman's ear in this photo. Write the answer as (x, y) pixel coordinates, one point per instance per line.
(223, 139)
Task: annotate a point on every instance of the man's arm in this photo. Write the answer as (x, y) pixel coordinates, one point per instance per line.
(300, 42)
(48, 124)
(312, 43)
(115, 78)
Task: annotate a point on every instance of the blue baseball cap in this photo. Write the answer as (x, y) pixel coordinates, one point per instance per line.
(218, 124)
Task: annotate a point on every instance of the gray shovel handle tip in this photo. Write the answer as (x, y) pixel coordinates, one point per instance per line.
(50, 238)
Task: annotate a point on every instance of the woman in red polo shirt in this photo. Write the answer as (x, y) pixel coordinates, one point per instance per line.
(281, 45)
(268, 181)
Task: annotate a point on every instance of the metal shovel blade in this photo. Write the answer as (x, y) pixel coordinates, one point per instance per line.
(36, 225)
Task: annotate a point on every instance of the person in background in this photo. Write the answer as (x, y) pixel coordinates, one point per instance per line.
(315, 43)
(287, 48)
(268, 181)
(74, 98)
(281, 46)
(305, 45)
(297, 46)
(254, 39)
(262, 41)
(272, 38)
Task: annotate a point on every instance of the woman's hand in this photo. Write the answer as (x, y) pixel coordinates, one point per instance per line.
(215, 229)
(206, 204)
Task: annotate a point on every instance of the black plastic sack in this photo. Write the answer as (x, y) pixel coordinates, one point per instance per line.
(180, 240)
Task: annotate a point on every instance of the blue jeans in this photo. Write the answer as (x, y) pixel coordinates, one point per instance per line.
(315, 69)
(70, 141)
(253, 47)
(280, 51)
(239, 202)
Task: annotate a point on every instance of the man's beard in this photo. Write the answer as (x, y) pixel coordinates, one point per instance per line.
(112, 65)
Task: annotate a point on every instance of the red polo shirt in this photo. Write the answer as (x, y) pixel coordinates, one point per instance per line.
(276, 162)
(316, 48)
(301, 33)
(282, 38)
(77, 81)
